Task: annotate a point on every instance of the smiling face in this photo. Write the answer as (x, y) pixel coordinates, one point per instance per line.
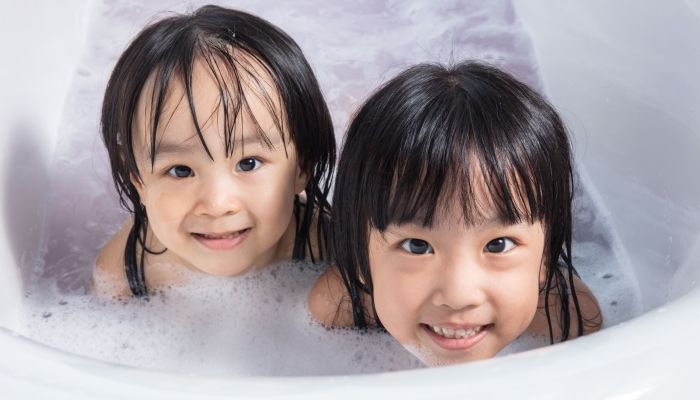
(455, 293)
(225, 214)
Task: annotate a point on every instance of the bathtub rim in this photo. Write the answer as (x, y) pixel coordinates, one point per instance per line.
(571, 366)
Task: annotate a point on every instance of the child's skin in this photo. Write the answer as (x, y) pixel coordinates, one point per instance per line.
(454, 191)
(224, 216)
(480, 281)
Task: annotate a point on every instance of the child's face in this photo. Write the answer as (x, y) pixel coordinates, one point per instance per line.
(223, 216)
(476, 286)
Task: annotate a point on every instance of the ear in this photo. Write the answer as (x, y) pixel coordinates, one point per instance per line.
(543, 271)
(139, 187)
(300, 181)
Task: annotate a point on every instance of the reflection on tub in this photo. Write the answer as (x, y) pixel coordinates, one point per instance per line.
(258, 325)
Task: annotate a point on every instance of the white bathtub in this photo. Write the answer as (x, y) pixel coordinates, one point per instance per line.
(626, 76)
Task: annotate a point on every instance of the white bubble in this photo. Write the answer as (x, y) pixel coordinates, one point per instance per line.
(210, 326)
(222, 327)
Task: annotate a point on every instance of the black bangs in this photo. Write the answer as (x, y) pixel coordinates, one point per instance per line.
(250, 60)
(435, 137)
(239, 74)
(471, 138)
(167, 53)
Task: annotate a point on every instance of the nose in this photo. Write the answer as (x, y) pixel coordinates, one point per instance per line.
(218, 196)
(462, 284)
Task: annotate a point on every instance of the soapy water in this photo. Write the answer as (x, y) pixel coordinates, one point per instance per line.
(258, 324)
(253, 325)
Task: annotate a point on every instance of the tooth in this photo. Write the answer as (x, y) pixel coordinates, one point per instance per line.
(460, 332)
(436, 329)
(449, 331)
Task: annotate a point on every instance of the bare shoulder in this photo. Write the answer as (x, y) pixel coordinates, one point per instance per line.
(590, 312)
(329, 302)
(108, 276)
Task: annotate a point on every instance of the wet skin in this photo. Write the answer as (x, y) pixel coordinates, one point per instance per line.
(477, 286)
(455, 292)
(225, 215)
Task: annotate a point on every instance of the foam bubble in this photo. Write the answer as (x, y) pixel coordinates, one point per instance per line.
(425, 354)
(258, 324)
(253, 325)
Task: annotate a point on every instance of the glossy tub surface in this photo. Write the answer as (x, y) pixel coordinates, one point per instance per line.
(625, 76)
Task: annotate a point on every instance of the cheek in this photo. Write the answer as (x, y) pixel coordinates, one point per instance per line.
(165, 208)
(271, 198)
(518, 297)
(397, 297)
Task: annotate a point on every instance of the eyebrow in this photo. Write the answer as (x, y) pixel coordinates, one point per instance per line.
(493, 221)
(254, 139)
(166, 147)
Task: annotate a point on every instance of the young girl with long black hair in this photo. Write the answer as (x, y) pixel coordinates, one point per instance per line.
(452, 217)
(222, 148)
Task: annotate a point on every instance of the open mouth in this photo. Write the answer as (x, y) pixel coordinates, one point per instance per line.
(222, 236)
(223, 240)
(457, 339)
(456, 333)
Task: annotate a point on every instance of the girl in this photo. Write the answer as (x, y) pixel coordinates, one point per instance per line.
(221, 147)
(452, 218)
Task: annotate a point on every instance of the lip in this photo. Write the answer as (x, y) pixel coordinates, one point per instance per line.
(457, 344)
(221, 244)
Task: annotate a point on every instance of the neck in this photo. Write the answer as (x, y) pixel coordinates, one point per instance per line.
(285, 246)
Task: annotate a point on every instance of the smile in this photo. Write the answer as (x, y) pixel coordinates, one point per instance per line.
(223, 240)
(224, 236)
(456, 333)
(456, 339)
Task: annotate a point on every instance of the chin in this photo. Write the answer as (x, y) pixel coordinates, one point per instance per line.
(436, 357)
(224, 271)
(240, 270)
(428, 355)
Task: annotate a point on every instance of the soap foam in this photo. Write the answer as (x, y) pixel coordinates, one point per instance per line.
(253, 325)
(258, 324)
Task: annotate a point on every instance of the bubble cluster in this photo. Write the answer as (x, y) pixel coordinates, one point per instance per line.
(253, 325)
(259, 324)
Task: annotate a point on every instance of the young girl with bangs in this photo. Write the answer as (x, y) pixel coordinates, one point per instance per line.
(452, 221)
(221, 147)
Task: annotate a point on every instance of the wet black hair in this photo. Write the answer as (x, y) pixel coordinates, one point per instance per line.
(436, 134)
(233, 45)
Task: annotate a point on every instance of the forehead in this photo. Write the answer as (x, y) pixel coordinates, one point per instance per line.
(235, 97)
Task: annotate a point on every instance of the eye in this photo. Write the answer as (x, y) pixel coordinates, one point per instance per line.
(248, 164)
(417, 246)
(499, 245)
(181, 171)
